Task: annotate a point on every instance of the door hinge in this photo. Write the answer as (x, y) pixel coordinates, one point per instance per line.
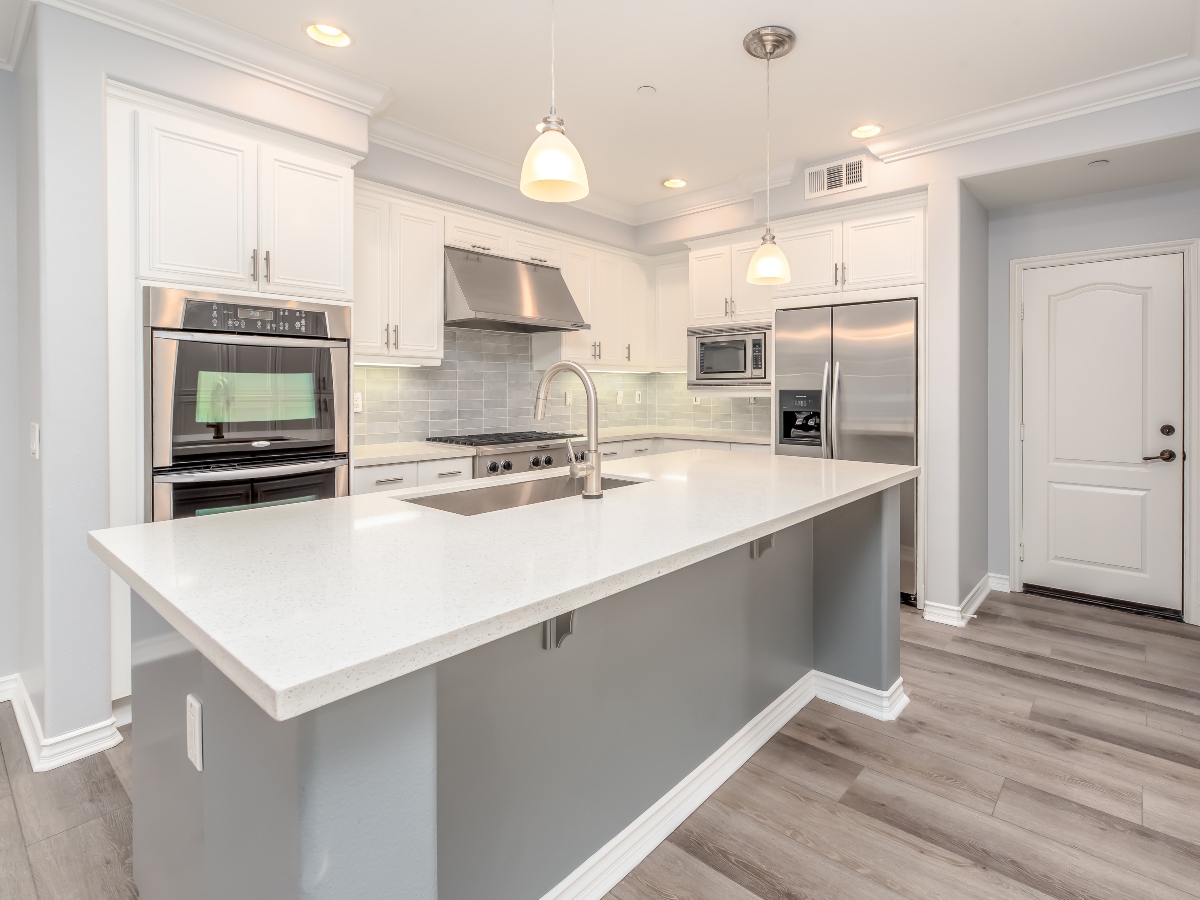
(1022, 431)
(1021, 548)
(1022, 310)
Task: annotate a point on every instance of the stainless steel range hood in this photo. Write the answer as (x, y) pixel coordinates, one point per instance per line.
(497, 294)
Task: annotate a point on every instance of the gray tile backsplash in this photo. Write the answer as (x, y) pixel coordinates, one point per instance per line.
(486, 382)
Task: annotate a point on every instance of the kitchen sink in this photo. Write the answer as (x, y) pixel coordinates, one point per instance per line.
(475, 501)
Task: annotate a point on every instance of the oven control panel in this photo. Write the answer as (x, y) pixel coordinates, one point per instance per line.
(247, 318)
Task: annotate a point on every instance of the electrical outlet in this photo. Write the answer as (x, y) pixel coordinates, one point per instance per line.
(620, 397)
(637, 396)
(195, 732)
(753, 400)
(695, 401)
(358, 401)
(570, 399)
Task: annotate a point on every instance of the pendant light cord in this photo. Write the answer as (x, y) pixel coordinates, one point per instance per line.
(768, 143)
(552, 112)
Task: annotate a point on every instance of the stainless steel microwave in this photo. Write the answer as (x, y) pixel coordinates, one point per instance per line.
(729, 356)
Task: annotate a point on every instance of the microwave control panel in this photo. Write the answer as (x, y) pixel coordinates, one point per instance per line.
(247, 318)
(758, 366)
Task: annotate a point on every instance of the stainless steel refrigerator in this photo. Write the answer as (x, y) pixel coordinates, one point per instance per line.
(846, 388)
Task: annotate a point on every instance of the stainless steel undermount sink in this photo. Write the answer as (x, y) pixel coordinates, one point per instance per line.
(474, 501)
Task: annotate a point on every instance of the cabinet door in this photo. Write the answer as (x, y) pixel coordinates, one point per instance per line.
(814, 256)
(306, 224)
(606, 308)
(197, 203)
(475, 234)
(612, 451)
(751, 302)
(671, 301)
(372, 325)
(417, 281)
(534, 248)
(577, 270)
(632, 347)
(884, 250)
(368, 479)
(710, 282)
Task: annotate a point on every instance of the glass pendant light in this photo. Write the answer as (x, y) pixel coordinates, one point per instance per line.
(769, 265)
(553, 170)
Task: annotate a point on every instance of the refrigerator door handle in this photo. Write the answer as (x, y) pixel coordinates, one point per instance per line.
(825, 412)
(833, 412)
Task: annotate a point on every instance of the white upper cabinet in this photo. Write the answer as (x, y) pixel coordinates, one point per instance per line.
(751, 302)
(671, 316)
(606, 309)
(471, 233)
(710, 280)
(883, 250)
(372, 325)
(814, 256)
(578, 263)
(534, 248)
(197, 203)
(306, 230)
(632, 348)
(221, 210)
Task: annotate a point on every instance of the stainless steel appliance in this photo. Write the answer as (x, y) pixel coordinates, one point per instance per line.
(248, 402)
(846, 388)
(500, 294)
(729, 356)
(506, 453)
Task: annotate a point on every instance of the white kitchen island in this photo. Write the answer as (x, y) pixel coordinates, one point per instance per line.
(380, 718)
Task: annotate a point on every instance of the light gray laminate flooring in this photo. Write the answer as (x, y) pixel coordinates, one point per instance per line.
(1050, 750)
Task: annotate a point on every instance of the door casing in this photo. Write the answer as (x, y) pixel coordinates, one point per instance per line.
(1191, 404)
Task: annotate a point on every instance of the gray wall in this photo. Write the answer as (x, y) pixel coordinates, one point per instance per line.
(973, 393)
(1123, 218)
(10, 431)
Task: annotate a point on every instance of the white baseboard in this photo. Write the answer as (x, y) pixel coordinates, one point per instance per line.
(123, 711)
(50, 753)
(885, 705)
(8, 687)
(960, 615)
(999, 582)
(616, 859)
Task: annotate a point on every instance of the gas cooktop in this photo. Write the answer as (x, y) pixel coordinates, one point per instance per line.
(503, 437)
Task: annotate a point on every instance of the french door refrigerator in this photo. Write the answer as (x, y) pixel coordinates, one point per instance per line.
(846, 383)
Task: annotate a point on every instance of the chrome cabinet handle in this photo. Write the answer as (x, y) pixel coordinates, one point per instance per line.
(395, 480)
(254, 264)
(538, 259)
(726, 306)
(396, 336)
(448, 474)
(733, 307)
(478, 247)
(833, 411)
(825, 412)
(267, 265)
(835, 274)
(641, 449)
(629, 352)
(386, 334)
(234, 473)
(1165, 456)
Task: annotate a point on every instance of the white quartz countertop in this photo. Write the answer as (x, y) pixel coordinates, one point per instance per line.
(304, 604)
(417, 451)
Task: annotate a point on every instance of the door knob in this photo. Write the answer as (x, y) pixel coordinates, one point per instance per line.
(1165, 456)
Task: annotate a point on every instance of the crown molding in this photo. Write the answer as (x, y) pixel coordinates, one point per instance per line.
(1143, 83)
(13, 43)
(204, 37)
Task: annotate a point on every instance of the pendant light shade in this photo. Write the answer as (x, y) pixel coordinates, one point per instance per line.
(768, 265)
(553, 169)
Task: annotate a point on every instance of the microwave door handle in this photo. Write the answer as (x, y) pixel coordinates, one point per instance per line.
(825, 412)
(833, 411)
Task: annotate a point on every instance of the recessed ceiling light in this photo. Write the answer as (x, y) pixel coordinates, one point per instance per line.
(330, 35)
(674, 183)
(866, 131)
(647, 90)
(1098, 163)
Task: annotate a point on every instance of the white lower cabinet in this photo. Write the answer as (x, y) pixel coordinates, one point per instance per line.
(670, 445)
(443, 471)
(367, 479)
(612, 450)
(638, 448)
(760, 449)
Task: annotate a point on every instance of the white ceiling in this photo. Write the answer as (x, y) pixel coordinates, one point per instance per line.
(476, 72)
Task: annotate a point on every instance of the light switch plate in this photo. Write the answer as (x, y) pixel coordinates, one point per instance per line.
(570, 399)
(695, 401)
(620, 397)
(195, 732)
(358, 401)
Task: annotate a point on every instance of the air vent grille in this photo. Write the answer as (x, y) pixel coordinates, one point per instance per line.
(835, 177)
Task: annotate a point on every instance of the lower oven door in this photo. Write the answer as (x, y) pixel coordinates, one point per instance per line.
(181, 495)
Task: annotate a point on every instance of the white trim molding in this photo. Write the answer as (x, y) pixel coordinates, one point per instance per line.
(8, 687)
(1142, 83)
(960, 615)
(49, 753)
(16, 39)
(1191, 404)
(616, 859)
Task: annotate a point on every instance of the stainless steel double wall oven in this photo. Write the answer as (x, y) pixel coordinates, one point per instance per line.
(248, 402)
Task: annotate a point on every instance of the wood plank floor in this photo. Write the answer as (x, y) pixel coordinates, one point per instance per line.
(1050, 750)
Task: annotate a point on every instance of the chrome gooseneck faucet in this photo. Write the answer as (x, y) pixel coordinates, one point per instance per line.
(590, 469)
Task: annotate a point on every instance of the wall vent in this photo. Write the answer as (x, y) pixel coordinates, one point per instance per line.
(835, 177)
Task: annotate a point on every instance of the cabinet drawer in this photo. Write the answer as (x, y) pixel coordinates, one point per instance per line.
(612, 450)
(671, 444)
(443, 471)
(366, 479)
(639, 448)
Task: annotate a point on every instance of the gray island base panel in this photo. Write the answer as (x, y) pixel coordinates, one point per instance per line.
(497, 772)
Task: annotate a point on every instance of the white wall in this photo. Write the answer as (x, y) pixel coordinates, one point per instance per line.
(973, 392)
(1120, 219)
(10, 433)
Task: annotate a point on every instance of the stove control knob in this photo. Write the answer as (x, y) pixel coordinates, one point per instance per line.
(506, 465)
(493, 467)
(547, 460)
(535, 461)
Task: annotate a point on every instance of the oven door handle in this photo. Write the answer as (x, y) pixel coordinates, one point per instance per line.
(259, 340)
(236, 474)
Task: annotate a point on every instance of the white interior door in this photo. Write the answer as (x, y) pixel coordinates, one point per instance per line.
(1102, 397)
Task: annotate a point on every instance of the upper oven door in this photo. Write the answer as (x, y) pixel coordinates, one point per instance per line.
(228, 396)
